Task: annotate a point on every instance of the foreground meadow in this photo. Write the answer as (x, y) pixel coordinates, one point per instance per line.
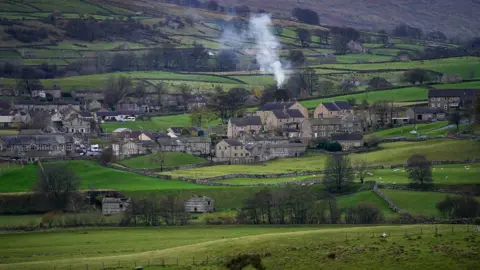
(307, 247)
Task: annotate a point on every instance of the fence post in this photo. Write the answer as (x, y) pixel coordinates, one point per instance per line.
(452, 229)
(86, 266)
(193, 259)
(103, 265)
(207, 259)
(177, 261)
(148, 262)
(346, 236)
(358, 236)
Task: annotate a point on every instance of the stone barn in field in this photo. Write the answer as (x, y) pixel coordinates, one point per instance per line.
(111, 206)
(199, 204)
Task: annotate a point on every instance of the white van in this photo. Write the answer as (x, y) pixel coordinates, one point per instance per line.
(130, 118)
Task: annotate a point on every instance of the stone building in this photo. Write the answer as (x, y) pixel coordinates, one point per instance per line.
(247, 125)
(276, 106)
(447, 99)
(233, 151)
(35, 105)
(348, 140)
(112, 206)
(199, 204)
(426, 114)
(323, 127)
(279, 119)
(332, 109)
(32, 147)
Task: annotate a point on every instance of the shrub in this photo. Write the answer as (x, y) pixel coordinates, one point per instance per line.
(459, 207)
(242, 261)
(364, 213)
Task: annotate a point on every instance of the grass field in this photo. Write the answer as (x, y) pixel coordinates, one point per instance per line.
(171, 159)
(304, 247)
(20, 179)
(156, 123)
(452, 174)
(368, 196)
(397, 95)
(391, 153)
(250, 181)
(422, 129)
(416, 202)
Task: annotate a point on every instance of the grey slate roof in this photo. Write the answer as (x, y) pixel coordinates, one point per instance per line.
(452, 93)
(325, 121)
(330, 106)
(233, 142)
(272, 106)
(285, 114)
(427, 109)
(246, 121)
(355, 136)
(343, 105)
(36, 139)
(337, 105)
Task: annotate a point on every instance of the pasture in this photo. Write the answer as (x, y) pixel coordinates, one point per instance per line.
(170, 159)
(160, 123)
(416, 202)
(299, 247)
(22, 178)
(451, 174)
(405, 131)
(389, 154)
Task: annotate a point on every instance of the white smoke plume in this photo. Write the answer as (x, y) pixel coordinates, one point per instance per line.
(267, 46)
(258, 40)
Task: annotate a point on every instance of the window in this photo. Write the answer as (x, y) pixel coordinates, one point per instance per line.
(236, 154)
(247, 154)
(235, 148)
(241, 154)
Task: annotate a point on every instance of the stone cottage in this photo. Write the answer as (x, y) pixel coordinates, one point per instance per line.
(199, 204)
(245, 125)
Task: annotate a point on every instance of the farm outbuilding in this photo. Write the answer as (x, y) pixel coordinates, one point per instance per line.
(111, 206)
(199, 204)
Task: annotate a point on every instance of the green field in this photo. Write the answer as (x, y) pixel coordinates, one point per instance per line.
(303, 247)
(160, 123)
(398, 95)
(452, 174)
(416, 202)
(368, 196)
(171, 159)
(422, 129)
(21, 179)
(267, 181)
(390, 153)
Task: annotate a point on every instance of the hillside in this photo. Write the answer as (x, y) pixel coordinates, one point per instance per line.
(452, 17)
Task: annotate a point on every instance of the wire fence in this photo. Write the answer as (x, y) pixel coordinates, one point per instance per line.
(358, 235)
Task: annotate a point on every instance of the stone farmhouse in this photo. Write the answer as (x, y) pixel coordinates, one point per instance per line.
(238, 127)
(348, 140)
(447, 99)
(112, 206)
(199, 204)
(31, 147)
(233, 151)
(324, 127)
(277, 120)
(55, 93)
(126, 149)
(333, 109)
(426, 114)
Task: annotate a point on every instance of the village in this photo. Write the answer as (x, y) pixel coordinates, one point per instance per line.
(66, 127)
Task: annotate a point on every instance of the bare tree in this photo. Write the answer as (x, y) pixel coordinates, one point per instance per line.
(419, 169)
(339, 172)
(455, 118)
(172, 211)
(58, 182)
(117, 89)
(360, 166)
(158, 158)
